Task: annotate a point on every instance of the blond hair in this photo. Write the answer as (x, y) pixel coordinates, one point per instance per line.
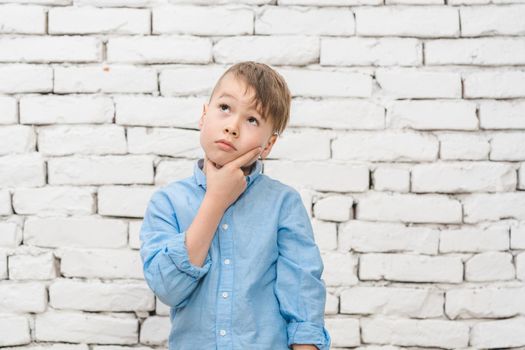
(272, 96)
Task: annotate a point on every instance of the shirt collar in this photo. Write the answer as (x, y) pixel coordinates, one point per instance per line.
(200, 177)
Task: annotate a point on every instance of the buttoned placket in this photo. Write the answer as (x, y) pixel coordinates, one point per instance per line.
(224, 306)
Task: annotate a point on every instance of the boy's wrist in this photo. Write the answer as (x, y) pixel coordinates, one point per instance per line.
(304, 347)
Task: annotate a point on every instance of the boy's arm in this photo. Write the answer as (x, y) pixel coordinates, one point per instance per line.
(299, 288)
(166, 263)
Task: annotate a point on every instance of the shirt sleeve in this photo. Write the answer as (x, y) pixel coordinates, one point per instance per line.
(166, 265)
(299, 288)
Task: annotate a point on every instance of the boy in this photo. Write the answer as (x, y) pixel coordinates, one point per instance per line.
(229, 249)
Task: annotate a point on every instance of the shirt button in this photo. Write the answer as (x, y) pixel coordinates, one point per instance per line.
(223, 332)
(227, 261)
(225, 226)
(224, 294)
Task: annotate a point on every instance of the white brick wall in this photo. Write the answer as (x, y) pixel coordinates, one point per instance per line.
(415, 182)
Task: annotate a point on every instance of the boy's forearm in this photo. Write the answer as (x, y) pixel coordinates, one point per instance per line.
(199, 234)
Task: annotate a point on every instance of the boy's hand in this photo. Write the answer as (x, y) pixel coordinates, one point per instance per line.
(226, 184)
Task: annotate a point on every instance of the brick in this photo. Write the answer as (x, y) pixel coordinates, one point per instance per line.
(489, 266)
(416, 21)
(334, 208)
(134, 233)
(81, 232)
(153, 111)
(52, 200)
(480, 52)
(298, 145)
(463, 146)
(101, 170)
(339, 269)
(507, 146)
(34, 19)
(521, 176)
(124, 200)
(365, 237)
(163, 141)
(157, 49)
(279, 50)
(325, 234)
(393, 301)
(193, 80)
(48, 49)
(498, 334)
(168, 171)
(502, 114)
(386, 178)
(410, 268)
(10, 232)
(17, 139)
(26, 169)
(205, 20)
(85, 139)
(344, 177)
(344, 331)
(487, 302)
(432, 115)
(332, 304)
(359, 51)
(155, 330)
(3, 265)
(517, 236)
(33, 266)
(99, 296)
(25, 78)
(417, 83)
(100, 263)
(337, 114)
(385, 146)
(23, 297)
(457, 177)
(92, 20)
(428, 208)
(15, 330)
(492, 20)
(474, 239)
(278, 20)
(320, 83)
(8, 110)
(109, 79)
(493, 206)
(52, 109)
(494, 84)
(5, 202)
(64, 326)
(329, 2)
(520, 266)
(421, 333)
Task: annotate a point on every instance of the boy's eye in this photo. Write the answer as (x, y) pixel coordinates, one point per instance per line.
(256, 121)
(223, 105)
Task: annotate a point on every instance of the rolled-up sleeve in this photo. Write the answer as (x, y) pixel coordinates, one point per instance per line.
(166, 265)
(299, 288)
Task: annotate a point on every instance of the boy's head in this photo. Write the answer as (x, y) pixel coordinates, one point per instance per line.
(249, 107)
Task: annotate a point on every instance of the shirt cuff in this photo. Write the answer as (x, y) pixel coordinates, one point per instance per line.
(178, 252)
(308, 333)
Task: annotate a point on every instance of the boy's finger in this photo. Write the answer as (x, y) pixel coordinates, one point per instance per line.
(245, 158)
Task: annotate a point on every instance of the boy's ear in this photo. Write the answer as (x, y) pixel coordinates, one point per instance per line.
(204, 110)
(268, 147)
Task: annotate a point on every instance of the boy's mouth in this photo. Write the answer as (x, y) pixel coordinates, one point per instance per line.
(225, 144)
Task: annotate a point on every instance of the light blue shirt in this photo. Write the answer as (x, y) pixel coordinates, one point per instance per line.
(260, 287)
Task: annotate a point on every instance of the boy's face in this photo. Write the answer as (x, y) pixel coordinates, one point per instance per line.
(230, 116)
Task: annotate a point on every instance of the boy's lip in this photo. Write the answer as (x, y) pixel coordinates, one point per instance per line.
(227, 142)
